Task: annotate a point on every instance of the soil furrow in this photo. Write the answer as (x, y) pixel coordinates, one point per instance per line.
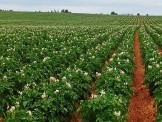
(142, 107)
(75, 117)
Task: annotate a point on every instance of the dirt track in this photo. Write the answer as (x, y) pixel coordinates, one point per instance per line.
(142, 107)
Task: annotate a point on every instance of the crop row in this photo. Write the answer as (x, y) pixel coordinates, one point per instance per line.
(153, 65)
(113, 87)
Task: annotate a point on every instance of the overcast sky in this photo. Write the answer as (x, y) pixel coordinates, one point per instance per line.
(152, 7)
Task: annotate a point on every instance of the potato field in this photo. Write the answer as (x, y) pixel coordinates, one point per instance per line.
(80, 68)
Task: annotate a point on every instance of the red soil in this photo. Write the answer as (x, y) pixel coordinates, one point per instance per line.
(1, 119)
(75, 117)
(160, 51)
(142, 107)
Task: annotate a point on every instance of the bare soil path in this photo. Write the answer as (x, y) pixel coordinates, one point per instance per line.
(142, 106)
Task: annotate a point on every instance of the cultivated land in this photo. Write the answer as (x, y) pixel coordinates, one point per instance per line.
(80, 68)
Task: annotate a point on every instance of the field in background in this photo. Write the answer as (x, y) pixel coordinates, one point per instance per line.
(73, 67)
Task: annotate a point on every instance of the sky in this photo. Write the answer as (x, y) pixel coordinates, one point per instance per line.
(151, 7)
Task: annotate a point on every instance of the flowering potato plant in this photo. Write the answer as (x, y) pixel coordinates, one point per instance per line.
(42, 102)
(113, 87)
(153, 65)
(103, 108)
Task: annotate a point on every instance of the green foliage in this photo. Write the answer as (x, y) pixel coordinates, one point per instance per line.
(49, 60)
(43, 101)
(153, 64)
(103, 108)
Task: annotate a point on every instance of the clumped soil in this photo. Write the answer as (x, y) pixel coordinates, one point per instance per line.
(142, 106)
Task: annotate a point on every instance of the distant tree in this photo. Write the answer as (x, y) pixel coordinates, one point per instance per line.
(65, 11)
(146, 14)
(6, 10)
(138, 14)
(113, 13)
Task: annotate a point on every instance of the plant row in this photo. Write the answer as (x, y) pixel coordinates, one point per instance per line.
(153, 68)
(113, 87)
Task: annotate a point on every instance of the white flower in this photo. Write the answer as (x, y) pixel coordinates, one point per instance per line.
(46, 58)
(117, 113)
(151, 59)
(117, 78)
(160, 71)
(53, 79)
(57, 91)
(7, 59)
(5, 77)
(114, 55)
(21, 71)
(85, 73)
(20, 92)
(102, 92)
(43, 95)
(149, 67)
(98, 74)
(127, 60)
(125, 84)
(157, 65)
(12, 109)
(110, 69)
(93, 57)
(121, 53)
(64, 78)
(111, 59)
(26, 87)
(34, 84)
(119, 63)
(29, 112)
(17, 72)
(122, 72)
(68, 84)
(93, 96)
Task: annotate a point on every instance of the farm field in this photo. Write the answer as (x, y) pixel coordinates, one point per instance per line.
(57, 67)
